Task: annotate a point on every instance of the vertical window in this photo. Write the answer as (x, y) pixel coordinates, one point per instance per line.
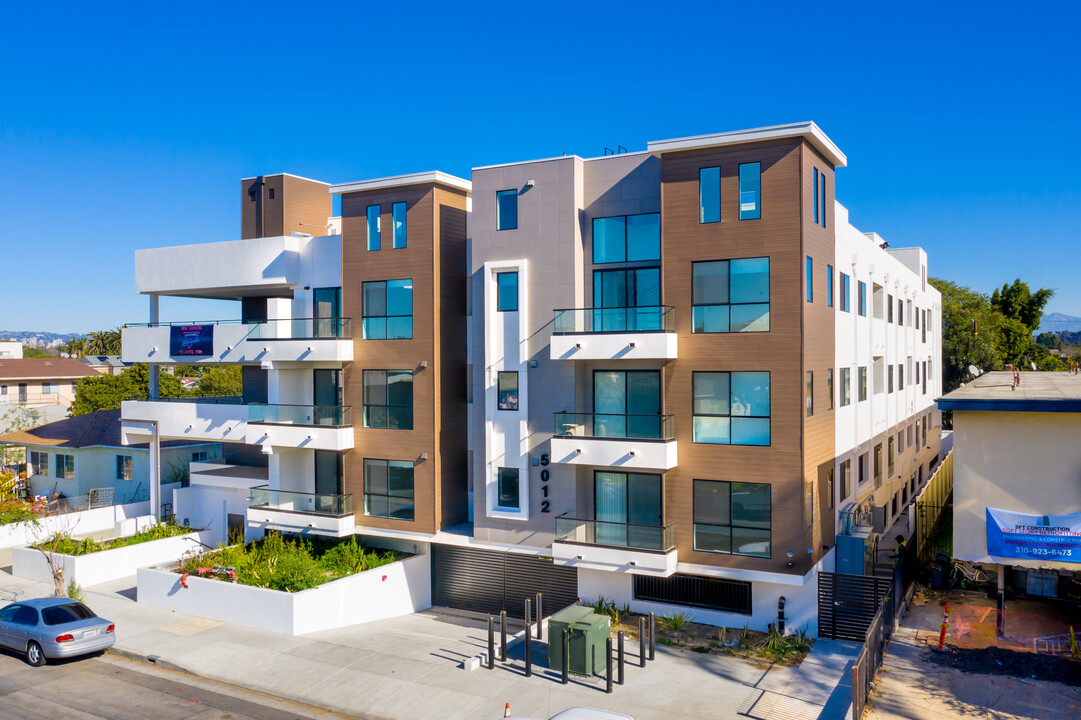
(750, 191)
(506, 291)
(817, 221)
(900, 311)
(822, 197)
(730, 296)
(830, 488)
(846, 478)
(709, 195)
(889, 376)
(808, 505)
(900, 376)
(388, 399)
(918, 311)
(846, 387)
(862, 470)
(829, 388)
(923, 332)
(123, 467)
(878, 464)
(628, 509)
(889, 308)
(809, 394)
(863, 299)
(373, 227)
(863, 383)
(507, 487)
(732, 518)
(731, 408)
(845, 307)
(388, 489)
(65, 466)
(627, 238)
(809, 278)
(891, 455)
(506, 210)
(507, 383)
(39, 463)
(388, 310)
(829, 286)
(398, 210)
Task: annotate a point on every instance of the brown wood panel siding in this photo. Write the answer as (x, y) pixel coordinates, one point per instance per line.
(295, 200)
(777, 234)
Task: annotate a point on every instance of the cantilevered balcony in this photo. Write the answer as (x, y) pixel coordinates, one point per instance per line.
(233, 341)
(620, 547)
(634, 333)
(607, 440)
(291, 511)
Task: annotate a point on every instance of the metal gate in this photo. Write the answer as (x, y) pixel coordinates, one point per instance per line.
(847, 604)
(488, 581)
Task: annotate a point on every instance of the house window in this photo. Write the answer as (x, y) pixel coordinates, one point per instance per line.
(846, 478)
(830, 488)
(809, 394)
(731, 408)
(388, 489)
(388, 399)
(817, 221)
(507, 488)
(889, 308)
(507, 383)
(506, 291)
(863, 383)
(627, 238)
(878, 464)
(822, 198)
(891, 455)
(709, 195)
(730, 296)
(829, 286)
(924, 381)
(628, 509)
(627, 403)
(900, 311)
(862, 470)
(200, 456)
(617, 294)
(900, 376)
(65, 466)
(388, 310)
(809, 279)
(373, 227)
(845, 297)
(50, 388)
(123, 467)
(808, 505)
(846, 386)
(732, 518)
(863, 299)
(829, 388)
(506, 210)
(750, 191)
(889, 378)
(398, 213)
(39, 463)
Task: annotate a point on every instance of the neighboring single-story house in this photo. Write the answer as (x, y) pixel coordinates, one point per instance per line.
(75, 455)
(105, 364)
(34, 382)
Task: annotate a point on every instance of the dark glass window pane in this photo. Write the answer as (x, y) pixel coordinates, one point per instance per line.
(508, 390)
(829, 286)
(709, 195)
(750, 186)
(643, 393)
(711, 393)
(375, 387)
(399, 224)
(506, 209)
(750, 431)
(751, 505)
(750, 542)
(709, 284)
(400, 478)
(712, 502)
(749, 318)
(750, 280)
(750, 394)
(644, 237)
(508, 487)
(714, 318)
(375, 477)
(507, 291)
(809, 279)
(375, 299)
(713, 538)
(647, 287)
(400, 297)
(373, 227)
(609, 239)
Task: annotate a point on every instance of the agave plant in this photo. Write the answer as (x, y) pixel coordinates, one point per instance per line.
(675, 621)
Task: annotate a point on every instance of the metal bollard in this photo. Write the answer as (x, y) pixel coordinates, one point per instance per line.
(528, 652)
(652, 636)
(491, 643)
(608, 665)
(619, 678)
(528, 617)
(503, 635)
(566, 657)
(642, 641)
(540, 613)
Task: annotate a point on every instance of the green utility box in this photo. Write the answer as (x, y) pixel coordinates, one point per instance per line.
(587, 632)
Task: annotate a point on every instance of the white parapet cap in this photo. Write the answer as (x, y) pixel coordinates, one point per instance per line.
(420, 178)
(807, 130)
(284, 174)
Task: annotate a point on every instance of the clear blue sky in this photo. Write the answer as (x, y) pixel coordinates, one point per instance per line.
(130, 128)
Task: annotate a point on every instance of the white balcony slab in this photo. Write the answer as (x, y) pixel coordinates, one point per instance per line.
(234, 343)
(222, 475)
(266, 518)
(614, 452)
(611, 559)
(317, 437)
(230, 269)
(614, 346)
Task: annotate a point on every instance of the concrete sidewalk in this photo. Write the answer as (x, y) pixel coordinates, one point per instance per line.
(408, 668)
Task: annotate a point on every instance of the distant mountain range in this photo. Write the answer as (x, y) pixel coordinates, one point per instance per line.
(1059, 322)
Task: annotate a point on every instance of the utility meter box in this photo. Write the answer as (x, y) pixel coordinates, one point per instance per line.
(587, 632)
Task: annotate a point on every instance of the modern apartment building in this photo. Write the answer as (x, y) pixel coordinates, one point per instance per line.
(652, 376)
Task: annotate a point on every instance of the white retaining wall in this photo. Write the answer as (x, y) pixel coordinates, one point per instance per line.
(399, 588)
(79, 524)
(106, 565)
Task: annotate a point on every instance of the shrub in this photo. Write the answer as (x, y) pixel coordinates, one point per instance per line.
(775, 643)
(75, 592)
(800, 642)
(14, 511)
(675, 621)
(64, 544)
(743, 639)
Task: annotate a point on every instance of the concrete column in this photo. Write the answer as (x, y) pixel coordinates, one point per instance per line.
(155, 475)
(153, 389)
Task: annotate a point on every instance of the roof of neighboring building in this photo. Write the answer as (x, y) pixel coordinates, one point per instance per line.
(1038, 392)
(104, 360)
(44, 369)
(96, 429)
(807, 130)
(433, 176)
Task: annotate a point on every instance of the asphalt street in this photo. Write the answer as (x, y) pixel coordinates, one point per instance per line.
(121, 689)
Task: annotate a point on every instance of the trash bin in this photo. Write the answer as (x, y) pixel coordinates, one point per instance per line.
(587, 634)
(939, 576)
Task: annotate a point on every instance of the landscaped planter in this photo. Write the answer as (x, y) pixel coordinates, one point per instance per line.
(83, 522)
(106, 565)
(398, 588)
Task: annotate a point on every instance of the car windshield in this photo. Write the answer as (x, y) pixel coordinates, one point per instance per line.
(71, 612)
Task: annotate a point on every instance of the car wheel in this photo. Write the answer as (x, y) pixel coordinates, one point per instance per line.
(34, 655)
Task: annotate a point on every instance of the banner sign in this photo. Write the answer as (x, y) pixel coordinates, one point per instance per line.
(191, 340)
(1034, 537)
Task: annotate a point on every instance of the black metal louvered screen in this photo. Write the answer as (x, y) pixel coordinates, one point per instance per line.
(847, 604)
(695, 591)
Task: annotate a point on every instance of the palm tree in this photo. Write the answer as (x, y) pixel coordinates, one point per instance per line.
(76, 347)
(98, 342)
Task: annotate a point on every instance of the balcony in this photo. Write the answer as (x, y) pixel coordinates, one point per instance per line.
(636, 333)
(619, 547)
(233, 341)
(301, 512)
(625, 441)
(219, 474)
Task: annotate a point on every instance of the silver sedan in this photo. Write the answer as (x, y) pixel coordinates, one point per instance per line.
(53, 628)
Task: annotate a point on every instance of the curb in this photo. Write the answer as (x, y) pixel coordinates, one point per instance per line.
(151, 659)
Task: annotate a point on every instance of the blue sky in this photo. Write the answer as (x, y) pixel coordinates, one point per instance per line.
(130, 127)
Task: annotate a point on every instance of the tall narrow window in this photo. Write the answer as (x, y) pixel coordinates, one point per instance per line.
(809, 394)
(709, 195)
(831, 489)
(845, 296)
(822, 197)
(900, 376)
(123, 467)
(862, 299)
(388, 489)
(506, 291)
(891, 455)
(508, 390)
(829, 388)
(829, 286)
(399, 224)
(750, 191)
(889, 378)
(846, 478)
(809, 277)
(388, 310)
(846, 387)
(373, 227)
(863, 383)
(506, 210)
(878, 465)
(731, 408)
(900, 311)
(889, 308)
(808, 505)
(507, 488)
(730, 296)
(388, 399)
(817, 221)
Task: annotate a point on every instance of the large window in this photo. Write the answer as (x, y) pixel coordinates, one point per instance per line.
(630, 288)
(627, 238)
(508, 489)
(730, 295)
(65, 466)
(123, 467)
(845, 294)
(388, 310)
(388, 489)
(628, 509)
(627, 403)
(732, 518)
(506, 210)
(809, 279)
(506, 291)
(846, 386)
(750, 191)
(731, 408)
(817, 205)
(829, 286)
(388, 399)
(709, 195)
(399, 224)
(862, 299)
(507, 387)
(39, 463)
(373, 227)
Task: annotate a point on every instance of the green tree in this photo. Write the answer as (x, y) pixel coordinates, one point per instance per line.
(106, 392)
(969, 333)
(1050, 341)
(1018, 302)
(103, 342)
(33, 352)
(76, 347)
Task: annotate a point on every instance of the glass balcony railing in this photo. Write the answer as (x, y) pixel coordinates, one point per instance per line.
(653, 538)
(298, 502)
(324, 415)
(603, 425)
(659, 318)
(303, 329)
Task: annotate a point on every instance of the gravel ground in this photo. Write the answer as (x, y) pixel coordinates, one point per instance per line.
(997, 661)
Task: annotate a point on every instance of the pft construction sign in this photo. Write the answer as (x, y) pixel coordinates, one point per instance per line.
(1034, 537)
